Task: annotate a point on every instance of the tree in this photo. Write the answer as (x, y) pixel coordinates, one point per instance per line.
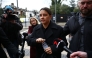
(72, 3)
(65, 9)
(58, 6)
(76, 9)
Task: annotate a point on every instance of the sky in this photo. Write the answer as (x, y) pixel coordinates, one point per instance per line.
(30, 4)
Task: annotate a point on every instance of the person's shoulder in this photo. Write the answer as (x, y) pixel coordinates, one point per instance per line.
(37, 27)
(30, 26)
(55, 25)
(74, 15)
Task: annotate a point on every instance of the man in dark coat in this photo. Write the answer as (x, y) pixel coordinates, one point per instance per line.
(12, 25)
(80, 26)
(7, 44)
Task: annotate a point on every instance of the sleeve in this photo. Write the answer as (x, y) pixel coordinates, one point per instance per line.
(31, 40)
(6, 43)
(89, 54)
(66, 29)
(18, 24)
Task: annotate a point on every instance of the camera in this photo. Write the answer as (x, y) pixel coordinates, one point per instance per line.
(11, 17)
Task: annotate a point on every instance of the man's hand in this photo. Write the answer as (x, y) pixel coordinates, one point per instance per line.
(40, 40)
(78, 53)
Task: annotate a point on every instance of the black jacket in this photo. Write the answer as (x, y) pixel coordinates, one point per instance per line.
(12, 30)
(72, 27)
(52, 33)
(7, 44)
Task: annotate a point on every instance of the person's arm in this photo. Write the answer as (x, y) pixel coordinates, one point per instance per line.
(6, 43)
(66, 29)
(31, 40)
(18, 24)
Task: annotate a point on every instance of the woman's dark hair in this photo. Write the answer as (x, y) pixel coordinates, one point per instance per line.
(47, 10)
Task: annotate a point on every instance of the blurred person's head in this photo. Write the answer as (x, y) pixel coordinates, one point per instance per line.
(45, 15)
(9, 10)
(85, 7)
(34, 21)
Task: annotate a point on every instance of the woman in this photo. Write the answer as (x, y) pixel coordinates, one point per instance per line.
(47, 32)
(33, 22)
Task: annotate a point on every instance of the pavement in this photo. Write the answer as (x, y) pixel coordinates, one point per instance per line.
(27, 48)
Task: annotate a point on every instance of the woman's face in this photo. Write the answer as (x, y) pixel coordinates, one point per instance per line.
(33, 21)
(44, 17)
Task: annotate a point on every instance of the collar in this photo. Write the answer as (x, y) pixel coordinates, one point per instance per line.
(51, 25)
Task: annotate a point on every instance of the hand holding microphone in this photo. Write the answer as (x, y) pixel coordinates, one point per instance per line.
(62, 45)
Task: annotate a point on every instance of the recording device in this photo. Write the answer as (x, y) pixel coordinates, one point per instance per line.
(25, 36)
(22, 51)
(62, 45)
(11, 17)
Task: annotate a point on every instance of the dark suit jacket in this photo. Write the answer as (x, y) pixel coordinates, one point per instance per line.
(7, 44)
(89, 53)
(52, 33)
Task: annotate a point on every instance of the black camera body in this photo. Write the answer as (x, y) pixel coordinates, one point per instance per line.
(11, 17)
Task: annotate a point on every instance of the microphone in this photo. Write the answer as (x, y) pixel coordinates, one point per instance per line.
(62, 45)
(25, 34)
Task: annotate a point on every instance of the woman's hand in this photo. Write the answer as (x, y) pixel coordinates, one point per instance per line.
(48, 50)
(40, 40)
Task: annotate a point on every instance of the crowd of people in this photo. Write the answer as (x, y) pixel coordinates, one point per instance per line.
(44, 35)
